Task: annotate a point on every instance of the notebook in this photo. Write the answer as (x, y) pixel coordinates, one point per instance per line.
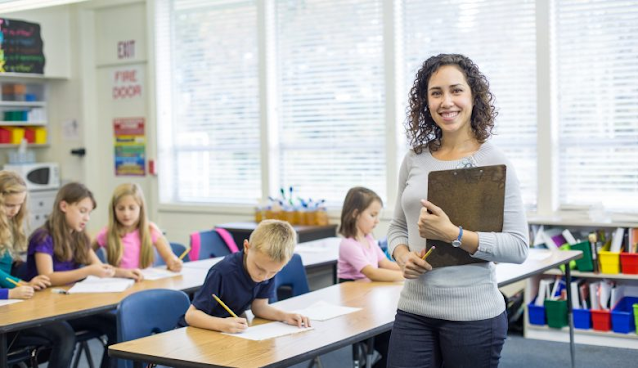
(471, 197)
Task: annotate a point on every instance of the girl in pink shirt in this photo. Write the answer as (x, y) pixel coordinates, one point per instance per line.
(130, 238)
(359, 254)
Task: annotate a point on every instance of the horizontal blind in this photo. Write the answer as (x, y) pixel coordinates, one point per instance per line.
(207, 58)
(597, 69)
(500, 37)
(330, 82)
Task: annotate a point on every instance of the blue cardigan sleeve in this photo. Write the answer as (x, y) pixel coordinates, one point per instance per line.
(4, 294)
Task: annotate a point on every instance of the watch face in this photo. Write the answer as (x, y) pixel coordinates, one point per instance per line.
(456, 243)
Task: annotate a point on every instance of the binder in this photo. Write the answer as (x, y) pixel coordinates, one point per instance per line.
(471, 197)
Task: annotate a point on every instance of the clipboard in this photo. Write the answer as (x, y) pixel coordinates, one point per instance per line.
(471, 197)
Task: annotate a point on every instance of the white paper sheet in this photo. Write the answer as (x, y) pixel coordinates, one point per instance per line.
(269, 331)
(9, 301)
(94, 284)
(323, 311)
(203, 264)
(158, 273)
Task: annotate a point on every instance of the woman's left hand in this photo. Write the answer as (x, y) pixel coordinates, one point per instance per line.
(435, 225)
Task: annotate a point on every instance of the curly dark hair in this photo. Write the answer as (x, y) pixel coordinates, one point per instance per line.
(421, 129)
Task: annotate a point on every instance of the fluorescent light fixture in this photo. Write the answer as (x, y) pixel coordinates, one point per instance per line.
(8, 6)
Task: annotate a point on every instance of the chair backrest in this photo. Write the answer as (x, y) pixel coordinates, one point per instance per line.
(148, 312)
(208, 244)
(293, 275)
(101, 254)
(177, 249)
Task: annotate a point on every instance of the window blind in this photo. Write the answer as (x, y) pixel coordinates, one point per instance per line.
(597, 70)
(330, 83)
(208, 102)
(499, 36)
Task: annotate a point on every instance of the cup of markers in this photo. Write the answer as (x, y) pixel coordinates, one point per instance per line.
(297, 211)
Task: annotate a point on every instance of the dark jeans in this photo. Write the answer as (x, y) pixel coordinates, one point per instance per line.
(104, 323)
(60, 336)
(424, 342)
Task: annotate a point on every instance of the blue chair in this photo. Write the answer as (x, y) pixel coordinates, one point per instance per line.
(292, 277)
(211, 244)
(177, 249)
(101, 254)
(149, 312)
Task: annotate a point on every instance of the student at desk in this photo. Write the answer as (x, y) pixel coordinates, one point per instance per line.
(451, 316)
(243, 280)
(61, 250)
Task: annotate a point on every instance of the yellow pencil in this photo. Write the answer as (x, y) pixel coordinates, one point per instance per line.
(224, 305)
(184, 253)
(428, 253)
(13, 281)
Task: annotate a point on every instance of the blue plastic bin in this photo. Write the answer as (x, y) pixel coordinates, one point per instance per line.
(536, 314)
(582, 319)
(622, 316)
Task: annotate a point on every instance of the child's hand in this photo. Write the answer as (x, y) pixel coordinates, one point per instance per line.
(174, 264)
(234, 324)
(135, 274)
(101, 270)
(297, 319)
(21, 292)
(39, 282)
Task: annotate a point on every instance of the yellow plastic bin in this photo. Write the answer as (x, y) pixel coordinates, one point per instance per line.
(609, 262)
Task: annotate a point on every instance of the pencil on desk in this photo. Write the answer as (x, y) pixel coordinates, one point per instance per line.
(428, 253)
(225, 306)
(13, 281)
(184, 253)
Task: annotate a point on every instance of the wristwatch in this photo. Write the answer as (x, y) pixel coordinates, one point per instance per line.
(457, 242)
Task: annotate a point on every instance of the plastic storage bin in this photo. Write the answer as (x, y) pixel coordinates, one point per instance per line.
(556, 311)
(582, 319)
(629, 263)
(636, 316)
(536, 314)
(601, 319)
(609, 262)
(622, 316)
(585, 263)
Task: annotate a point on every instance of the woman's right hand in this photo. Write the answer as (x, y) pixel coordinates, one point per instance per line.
(234, 325)
(101, 270)
(410, 262)
(21, 292)
(39, 282)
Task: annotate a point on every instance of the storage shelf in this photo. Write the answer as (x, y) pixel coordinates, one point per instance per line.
(23, 123)
(23, 103)
(31, 76)
(591, 275)
(575, 222)
(591, 337)
(30, 145)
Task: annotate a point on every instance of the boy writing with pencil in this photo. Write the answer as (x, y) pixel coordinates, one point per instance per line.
(244, 280)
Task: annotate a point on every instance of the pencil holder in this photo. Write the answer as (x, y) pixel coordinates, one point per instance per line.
(629, 263)
(582, 319)
(601, 319)
(585, 263)
(622, 316)
(609, 262)
(536, 314)
(556, 311)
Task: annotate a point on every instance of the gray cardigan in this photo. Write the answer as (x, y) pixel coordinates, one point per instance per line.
(457, 293)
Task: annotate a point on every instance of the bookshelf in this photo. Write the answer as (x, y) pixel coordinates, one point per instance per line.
(580, 229)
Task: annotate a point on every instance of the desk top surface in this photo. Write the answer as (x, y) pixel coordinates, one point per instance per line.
(195, 347)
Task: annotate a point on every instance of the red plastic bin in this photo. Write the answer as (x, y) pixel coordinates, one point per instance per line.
(601, 319)
(629, 263)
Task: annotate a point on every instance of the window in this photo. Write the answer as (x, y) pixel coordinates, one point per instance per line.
(500, 38)
(208, 102)
(331, 90)
(597, 69)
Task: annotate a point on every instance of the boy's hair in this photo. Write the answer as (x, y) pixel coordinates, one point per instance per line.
(357, 200)
(114, 249)
(12, 236)
(274, 238)
(68, 245)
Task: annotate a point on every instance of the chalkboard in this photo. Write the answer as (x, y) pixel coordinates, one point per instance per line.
(20, 47)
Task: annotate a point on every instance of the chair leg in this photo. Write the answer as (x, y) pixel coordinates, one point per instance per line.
(84, 346)
(316, 362)
(87, 351)
(370, 355)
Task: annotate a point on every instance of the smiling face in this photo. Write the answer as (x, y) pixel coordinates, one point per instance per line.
(127, 212)
(259, 265)
(12, 203)
(78, 214)
(368, 219)
(450, 100)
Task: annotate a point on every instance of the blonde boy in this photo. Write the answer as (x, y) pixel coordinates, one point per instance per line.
(245, 280)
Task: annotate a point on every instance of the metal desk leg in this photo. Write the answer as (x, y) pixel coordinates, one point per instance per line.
(570, 315)
(4, 350)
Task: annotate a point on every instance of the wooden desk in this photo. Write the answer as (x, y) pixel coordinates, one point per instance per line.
(320, 254)
(193, 347)
(242, 230)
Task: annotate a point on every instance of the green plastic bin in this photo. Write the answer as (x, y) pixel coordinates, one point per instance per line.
(556, 311)
(584, 264)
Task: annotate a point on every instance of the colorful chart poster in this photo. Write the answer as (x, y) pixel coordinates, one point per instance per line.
(130, 147)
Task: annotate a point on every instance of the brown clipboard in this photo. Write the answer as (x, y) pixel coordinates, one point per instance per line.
(471, 197)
